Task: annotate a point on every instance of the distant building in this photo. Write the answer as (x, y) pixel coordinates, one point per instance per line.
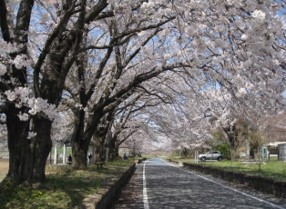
(273, 147)
(275, 133)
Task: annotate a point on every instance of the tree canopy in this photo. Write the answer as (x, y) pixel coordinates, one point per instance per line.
(109, 70)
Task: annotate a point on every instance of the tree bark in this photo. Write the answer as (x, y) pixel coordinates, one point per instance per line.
(27, 157)
(232, 137)
(79, 153)
(42, 145)
(18, 145)
(98, 140)
(79, 146)
(116, 152)
(113, 153)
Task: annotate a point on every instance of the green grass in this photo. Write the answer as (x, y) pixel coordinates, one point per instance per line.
(65, 188)
(272, 169)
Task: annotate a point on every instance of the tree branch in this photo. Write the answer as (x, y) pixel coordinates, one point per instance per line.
(153, 94)
(63, 22)
(4, 22)
(95, 11)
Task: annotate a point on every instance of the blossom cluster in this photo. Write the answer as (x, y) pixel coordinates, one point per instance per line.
(22, 96)
(259, 15)
(2, 69)
(22, 61)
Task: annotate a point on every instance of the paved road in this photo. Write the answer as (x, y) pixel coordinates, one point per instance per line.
(156, 184)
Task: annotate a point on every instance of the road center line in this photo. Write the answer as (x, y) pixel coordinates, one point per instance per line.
(235, 190)
(145, 195)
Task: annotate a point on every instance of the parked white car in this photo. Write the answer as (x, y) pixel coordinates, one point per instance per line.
(213, 155)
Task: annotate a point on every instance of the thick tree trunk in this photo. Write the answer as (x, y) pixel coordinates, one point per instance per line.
(41, 147)
(232, 137)
(116, 153)
(112, 150)
(99, 146)
(79, 155)
(79, 145)
(27, 157)
(19, 149)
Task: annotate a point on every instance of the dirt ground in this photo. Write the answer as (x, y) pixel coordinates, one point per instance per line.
(4, 164)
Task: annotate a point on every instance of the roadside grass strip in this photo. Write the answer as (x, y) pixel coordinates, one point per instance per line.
(65, 187)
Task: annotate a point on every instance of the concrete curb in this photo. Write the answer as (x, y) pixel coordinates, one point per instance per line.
(108, 196)
(141, 160)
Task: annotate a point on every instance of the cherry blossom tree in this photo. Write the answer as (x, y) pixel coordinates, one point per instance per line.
(128, 119)
(115, 75)
(94, 54)
(36, 62)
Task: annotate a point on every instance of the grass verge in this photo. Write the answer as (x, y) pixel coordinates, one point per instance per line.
(272, 169)
(65, 187)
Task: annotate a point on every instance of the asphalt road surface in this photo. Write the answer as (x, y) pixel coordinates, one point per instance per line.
(157, 184)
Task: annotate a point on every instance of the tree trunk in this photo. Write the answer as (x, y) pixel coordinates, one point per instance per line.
(79, 145)
(42, 145)
(79, 154)
(116, 152)
(112, 150)
(18, 145)
(27, 157)
(232, 137)
(99, 146)
(19, 149)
